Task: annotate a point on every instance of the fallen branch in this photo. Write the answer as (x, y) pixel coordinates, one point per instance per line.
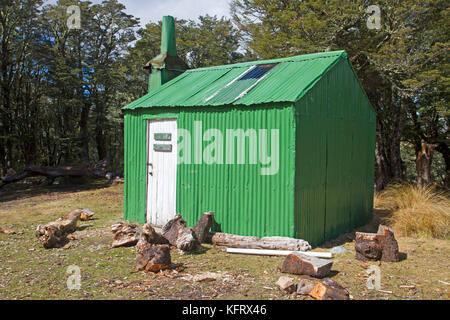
(270, 243)
(53, 234)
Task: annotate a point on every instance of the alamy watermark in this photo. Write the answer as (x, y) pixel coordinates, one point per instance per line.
(232, 146)
(374, 280)
(74, 20)
(374, 18)
(74, 281)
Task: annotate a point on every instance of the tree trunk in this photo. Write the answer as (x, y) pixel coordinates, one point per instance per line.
(443, 149)
(424, 159)
(125, 234)
(171, 229)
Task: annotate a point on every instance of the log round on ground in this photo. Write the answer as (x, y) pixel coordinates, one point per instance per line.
(125, 234)
(186, 240)
(297, 263)
(377, 246)
(151, 236)
(328, 289)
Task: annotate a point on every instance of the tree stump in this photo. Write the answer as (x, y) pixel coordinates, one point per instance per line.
(297, 263)
(152, 258)
(201, 228)
(377, 246)
(125, 234)
(171, 229)
(53, 234)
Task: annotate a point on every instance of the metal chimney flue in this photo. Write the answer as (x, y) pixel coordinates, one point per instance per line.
(167, 65)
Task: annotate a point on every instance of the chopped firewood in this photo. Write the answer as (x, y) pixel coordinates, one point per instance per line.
(150, 257)
(305, 286)
(248, 242)
(328, 289)
(53, 234)
(151, 236)
(171, 229)
(286, 284)
(186, 240)
(125, 234)
(201, 228)
(297, 263)
(377, 246)
(86, 214)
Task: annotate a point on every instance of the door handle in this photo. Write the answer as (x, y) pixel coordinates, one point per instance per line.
(150, 170)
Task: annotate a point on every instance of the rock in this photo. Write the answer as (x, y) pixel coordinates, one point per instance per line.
(206, 277)
(172, 227)
(287, 284)
(305, 286)
(328, 289)
(297, 263)
(152, 257)
(86, 214)
(186, 240)
(125, 234)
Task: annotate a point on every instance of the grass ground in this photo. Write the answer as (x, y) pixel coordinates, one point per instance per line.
(28, 271)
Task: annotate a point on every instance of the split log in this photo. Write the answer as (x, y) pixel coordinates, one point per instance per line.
(151, 257)
(328, 289)
(151, 236)
(53, 234)
(201, 228)
(390, 251)
(171, 229)
(305, 286)
(125, 234)
(186, 240)
(297, 263)
(377, 246)
(286, 284)
(86, 214)
(271, 243)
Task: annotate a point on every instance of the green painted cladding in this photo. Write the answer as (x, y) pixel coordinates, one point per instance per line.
(335, 143)
(244, 201)
(324, 185)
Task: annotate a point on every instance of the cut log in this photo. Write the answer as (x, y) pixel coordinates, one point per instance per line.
(151, 236)
(328, 289)
(125, 234)
(297, 263)
(86, 214)
(201, 228)
(286, 284)
(171, 229)
(271, 243)
(390, 251)
(266, 252)
(186, 240)
(152, 258)
(53, 234)
(377, 246)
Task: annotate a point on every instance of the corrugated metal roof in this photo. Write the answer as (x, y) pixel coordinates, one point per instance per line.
(288, 81)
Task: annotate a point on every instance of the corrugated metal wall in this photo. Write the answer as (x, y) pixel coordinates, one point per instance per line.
(244, 201)
(335, 143)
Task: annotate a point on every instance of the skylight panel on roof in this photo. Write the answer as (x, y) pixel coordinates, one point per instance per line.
(241, 85)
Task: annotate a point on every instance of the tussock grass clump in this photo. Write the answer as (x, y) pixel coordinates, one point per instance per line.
(416, 211)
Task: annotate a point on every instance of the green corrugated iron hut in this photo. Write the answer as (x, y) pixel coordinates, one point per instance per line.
(281, 147)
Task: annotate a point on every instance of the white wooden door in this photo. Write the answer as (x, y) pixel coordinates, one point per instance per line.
(161, 170)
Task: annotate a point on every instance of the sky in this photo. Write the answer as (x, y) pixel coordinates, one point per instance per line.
(154, 10)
